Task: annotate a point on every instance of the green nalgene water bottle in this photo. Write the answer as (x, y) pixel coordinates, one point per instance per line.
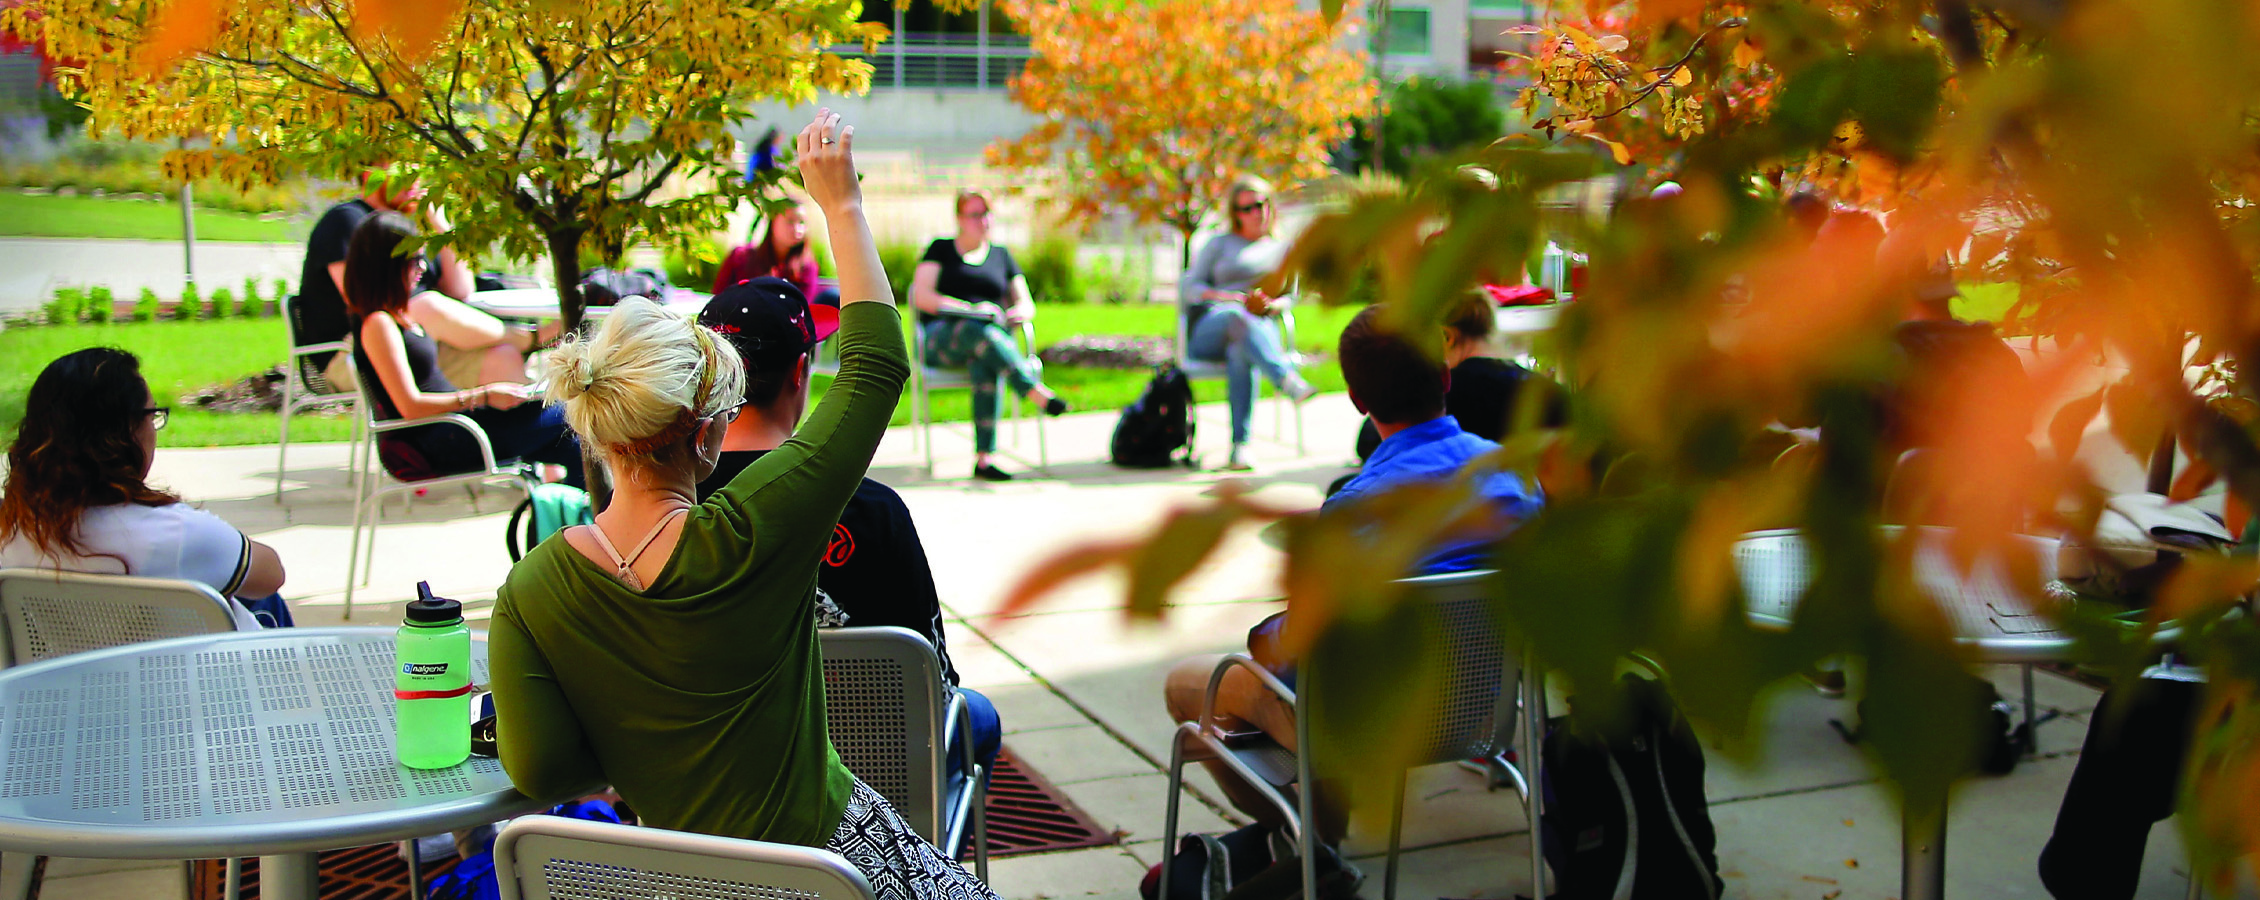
(432, 686)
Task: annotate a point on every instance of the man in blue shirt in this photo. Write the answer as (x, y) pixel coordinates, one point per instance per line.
(1399, 380)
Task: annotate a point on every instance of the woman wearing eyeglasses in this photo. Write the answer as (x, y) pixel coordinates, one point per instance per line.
(1229, 320)
(394, 349)
(968, 292)
(77, 496)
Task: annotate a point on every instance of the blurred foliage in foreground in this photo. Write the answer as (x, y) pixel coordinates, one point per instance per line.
(2099, 154)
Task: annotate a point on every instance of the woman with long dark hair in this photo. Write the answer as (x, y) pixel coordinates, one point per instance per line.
(782, 252)
(393, 352)
(77, 496)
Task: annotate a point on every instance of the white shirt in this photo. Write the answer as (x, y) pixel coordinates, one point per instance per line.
(171, 541)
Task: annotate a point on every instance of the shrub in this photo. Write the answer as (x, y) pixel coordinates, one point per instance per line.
(900, 259)
(253, 307)
(1052, 273)
(282, 289)
(1427, 118)
(63, 308)
(222, 303)
(1116, 279)
(191, 305)
(145, 306)
(100, 302)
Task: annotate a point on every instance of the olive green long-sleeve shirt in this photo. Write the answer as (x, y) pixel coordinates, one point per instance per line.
(701, 698)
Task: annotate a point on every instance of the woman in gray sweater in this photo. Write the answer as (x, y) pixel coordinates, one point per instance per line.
(1229, 320)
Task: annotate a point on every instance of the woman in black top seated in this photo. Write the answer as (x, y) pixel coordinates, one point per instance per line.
(967, 292)
(391, 350)
(1483, 389)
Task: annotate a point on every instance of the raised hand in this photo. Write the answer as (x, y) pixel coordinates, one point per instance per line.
(824, 151)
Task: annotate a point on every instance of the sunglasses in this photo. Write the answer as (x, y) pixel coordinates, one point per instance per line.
(158, 416)
(1251, 207)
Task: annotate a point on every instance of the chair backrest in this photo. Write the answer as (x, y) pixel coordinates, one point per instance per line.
(885, 709)
(48, 613)
(1474, 701)
(555, 858)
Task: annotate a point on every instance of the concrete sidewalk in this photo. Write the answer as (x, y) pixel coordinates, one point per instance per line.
(1079, 687)
(32, 268)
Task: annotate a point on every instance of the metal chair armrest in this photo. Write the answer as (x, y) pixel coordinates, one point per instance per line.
(323, 347)
(1028, 344)
(1240, 660)
(486, 448)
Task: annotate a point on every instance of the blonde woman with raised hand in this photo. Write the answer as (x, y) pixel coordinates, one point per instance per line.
(670, 649)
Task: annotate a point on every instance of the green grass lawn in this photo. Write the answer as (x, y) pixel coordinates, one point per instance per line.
(180, 357)
(28, 215)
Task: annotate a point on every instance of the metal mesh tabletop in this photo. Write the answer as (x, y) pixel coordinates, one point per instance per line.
(1987, 612)
(217, 745)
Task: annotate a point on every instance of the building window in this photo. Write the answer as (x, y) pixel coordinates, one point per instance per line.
(1498, 9)
(1407, 34)
(978, 48)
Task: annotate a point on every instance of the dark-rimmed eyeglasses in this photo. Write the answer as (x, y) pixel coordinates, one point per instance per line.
(1251, 207)
(158, 416)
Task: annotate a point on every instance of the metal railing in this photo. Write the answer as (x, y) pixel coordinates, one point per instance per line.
(926, 60)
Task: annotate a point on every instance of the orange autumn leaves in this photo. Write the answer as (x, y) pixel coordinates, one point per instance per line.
(182, 28)
(1155, 108)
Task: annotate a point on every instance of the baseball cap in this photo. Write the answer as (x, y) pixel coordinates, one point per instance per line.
(769, 320)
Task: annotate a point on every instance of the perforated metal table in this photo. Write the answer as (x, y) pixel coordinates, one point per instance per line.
(1989, 616)
(275, 744)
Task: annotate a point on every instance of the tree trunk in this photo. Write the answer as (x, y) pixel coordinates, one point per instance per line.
(1184, 251)
(565, 265)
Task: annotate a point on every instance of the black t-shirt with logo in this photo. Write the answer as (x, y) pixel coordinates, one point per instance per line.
(990, 281)
(322, 316)
(875, 569)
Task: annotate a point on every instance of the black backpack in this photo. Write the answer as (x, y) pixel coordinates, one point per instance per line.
(1154, 429)
(1640, 789)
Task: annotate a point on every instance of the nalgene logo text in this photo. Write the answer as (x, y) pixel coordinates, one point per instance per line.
(423, 668)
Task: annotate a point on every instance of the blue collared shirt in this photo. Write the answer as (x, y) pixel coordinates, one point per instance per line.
(1436, 450)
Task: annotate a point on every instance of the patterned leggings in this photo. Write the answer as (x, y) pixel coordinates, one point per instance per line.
(899, 864)
(989, 355)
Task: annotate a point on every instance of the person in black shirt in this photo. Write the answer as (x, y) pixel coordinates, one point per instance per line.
(474, 348)
(968, 292)
(875, 571)
(1483, 389)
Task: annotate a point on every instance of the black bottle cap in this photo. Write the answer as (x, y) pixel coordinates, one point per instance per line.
(429, 610)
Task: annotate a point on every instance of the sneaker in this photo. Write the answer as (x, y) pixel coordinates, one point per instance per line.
(1237, 461)
(987, 472)
(1297, 389)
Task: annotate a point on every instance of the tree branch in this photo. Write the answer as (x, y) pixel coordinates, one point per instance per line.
(1664, 74)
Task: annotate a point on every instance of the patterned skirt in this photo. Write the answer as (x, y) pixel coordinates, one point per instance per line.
(899, 864)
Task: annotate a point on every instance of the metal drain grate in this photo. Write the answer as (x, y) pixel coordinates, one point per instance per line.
(1028, 815)
(374, 872)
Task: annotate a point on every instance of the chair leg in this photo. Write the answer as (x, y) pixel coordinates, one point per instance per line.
(1396, 837)
(1169, 815)
(232, 887)
(981, 827)
(1532, 756)
(353, 551)
(2032, 729)
(282, 447)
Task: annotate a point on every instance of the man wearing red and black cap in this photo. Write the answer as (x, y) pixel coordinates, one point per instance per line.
(875, 572)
